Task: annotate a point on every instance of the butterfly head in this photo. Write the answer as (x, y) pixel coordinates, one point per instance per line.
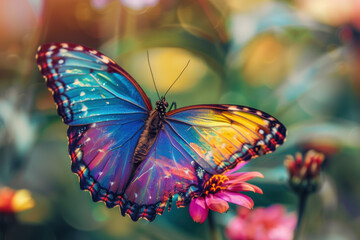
(161, 107)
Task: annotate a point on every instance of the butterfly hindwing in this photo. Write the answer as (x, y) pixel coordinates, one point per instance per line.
(101, 155)
(218, 137)
(168, 170)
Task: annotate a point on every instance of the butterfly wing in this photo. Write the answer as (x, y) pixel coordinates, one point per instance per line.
(101, 154)
(89, 87)
(106, 112)
(195, 143)
(168, 170)
(218, 137)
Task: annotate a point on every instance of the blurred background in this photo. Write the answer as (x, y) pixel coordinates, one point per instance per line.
(298, 60)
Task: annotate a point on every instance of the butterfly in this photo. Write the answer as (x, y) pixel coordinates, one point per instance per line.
(126, 153)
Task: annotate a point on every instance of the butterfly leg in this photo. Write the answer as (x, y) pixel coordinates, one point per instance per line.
(173, 105)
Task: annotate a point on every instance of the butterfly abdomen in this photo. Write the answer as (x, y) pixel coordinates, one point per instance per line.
(147, 137)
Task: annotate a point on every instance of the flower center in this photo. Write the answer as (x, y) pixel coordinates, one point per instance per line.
(215, 184)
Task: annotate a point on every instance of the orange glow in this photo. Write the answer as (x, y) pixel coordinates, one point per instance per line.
(12, 201)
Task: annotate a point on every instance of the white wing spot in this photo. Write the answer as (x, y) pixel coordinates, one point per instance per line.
(93, 51)
(79, 48)
(233, 108)
(274, 130)
(61, 61)
(65, 45)
(105, 58)
(84, 108)
(52, 47)
(82, 94)
(135, 194)
(111, 183)
(100, 173)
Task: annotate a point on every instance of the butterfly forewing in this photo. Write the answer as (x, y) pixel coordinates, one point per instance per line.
(218, 137)
(89, 87)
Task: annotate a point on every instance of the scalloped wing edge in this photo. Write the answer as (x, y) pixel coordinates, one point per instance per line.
(133, 210)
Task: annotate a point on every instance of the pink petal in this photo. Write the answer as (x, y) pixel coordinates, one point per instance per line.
(198, 210)
(244, 187)
(237, 229)
(243, 177)
(276, 211)
(290, 221)
(237, 198)
(216, 203)
(240, 165)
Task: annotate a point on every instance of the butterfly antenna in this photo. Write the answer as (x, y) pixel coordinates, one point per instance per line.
(177, 77)
(152, 75)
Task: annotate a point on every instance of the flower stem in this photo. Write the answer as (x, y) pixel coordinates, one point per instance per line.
(303, 196)
(213, 233)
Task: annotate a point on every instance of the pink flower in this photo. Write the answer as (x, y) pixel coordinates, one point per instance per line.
(221, 189)
(272, 223)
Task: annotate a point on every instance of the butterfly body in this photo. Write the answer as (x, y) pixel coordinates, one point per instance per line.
(130, 155)
(152, 127)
